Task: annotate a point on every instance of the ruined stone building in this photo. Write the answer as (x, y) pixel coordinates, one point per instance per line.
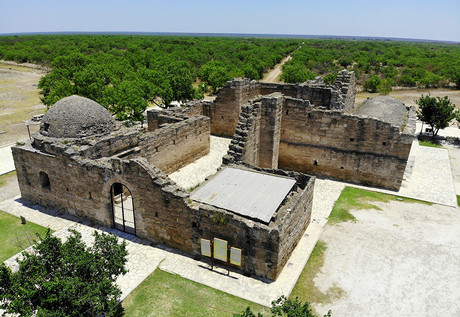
(84, 163)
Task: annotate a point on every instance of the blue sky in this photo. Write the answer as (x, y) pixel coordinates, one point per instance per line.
(422, 19)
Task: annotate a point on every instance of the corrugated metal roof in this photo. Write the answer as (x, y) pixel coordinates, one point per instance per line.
(246, 193)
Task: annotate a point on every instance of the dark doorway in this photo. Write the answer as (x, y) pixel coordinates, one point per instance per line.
(123, 208)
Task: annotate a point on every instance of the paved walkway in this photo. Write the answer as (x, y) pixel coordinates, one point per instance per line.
(195, 173)
(6, 160)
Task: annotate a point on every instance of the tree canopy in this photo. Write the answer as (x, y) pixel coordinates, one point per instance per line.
(126, 73)
(284, 306)
(66, 278)
(436, 111)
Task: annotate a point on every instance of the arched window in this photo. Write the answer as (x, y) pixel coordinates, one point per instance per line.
(44, 180)
(123, 208)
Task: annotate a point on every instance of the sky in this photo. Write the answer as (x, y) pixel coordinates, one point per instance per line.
(422, 19)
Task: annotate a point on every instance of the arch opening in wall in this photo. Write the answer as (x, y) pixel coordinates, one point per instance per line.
(44, 180)
(123, 208)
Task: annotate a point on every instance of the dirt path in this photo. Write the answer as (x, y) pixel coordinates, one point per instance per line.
(273, 76)
(403, 260)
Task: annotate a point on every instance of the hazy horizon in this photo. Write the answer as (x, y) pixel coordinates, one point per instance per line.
(418, 20)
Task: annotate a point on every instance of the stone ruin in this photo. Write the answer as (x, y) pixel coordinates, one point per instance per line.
(90, 166)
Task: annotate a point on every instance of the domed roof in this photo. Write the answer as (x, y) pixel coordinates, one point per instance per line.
(75, 117)
(384, 108)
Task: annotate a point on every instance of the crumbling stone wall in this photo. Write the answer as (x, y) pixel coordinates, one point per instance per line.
(330, 143)
(257, 136)
(343, 146)
(163, 212)
(226, 107)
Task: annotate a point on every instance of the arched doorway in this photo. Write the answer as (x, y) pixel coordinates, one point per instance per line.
(123, 208)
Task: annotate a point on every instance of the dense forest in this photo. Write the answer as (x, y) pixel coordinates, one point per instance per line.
(377, 64)
(125, 73)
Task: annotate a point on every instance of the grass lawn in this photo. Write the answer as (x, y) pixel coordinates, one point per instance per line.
(165, 294)
(429, 143)
(458, 200)
(7, 177)
(15, 236)
(355, 198)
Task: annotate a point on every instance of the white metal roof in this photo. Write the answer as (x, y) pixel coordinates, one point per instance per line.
(246, 193)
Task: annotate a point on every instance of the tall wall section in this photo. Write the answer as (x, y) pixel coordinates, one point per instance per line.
(328, 143)
(226, 107)
(343, 146)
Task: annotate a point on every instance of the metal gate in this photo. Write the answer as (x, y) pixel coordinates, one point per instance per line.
(123, 208)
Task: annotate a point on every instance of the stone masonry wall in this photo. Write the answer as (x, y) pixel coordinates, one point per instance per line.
(176, 145)
(269, 134)
(163, 212)
(328, 143)
(342, 146)
(226, 107)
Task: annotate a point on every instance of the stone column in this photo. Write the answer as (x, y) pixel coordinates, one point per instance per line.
(270, 130)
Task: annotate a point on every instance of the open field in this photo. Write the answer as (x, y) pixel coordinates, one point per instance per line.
(408, 96)
(391, 260)
(19, 101)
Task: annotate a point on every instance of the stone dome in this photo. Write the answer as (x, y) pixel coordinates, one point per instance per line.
(76, 117)
(384, 108)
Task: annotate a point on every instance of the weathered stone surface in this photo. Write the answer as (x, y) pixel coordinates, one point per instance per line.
(75, 117)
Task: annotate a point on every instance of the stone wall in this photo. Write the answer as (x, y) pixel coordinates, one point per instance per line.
(176, 145)
(226, 107)
(163, 212)
(330, 143)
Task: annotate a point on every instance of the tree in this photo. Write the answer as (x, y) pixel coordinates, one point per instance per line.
(385, 86)
(66, 278)
(436, 111)
(286, 307)
(372, 84)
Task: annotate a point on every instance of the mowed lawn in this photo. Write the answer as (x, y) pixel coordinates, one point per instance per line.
(165, 294)
(15, 236)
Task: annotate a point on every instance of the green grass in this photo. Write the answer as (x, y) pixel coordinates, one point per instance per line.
(355, 198)
(5, 178)
(458, 200)
(429, 144)
(305, 288)
(165, 294)
(15, 236)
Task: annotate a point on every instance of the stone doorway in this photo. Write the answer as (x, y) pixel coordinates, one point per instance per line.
(123, 208)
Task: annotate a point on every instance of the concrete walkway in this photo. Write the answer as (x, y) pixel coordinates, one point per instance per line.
(6, 160)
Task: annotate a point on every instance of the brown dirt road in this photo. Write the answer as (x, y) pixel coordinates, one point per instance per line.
(273, 76)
